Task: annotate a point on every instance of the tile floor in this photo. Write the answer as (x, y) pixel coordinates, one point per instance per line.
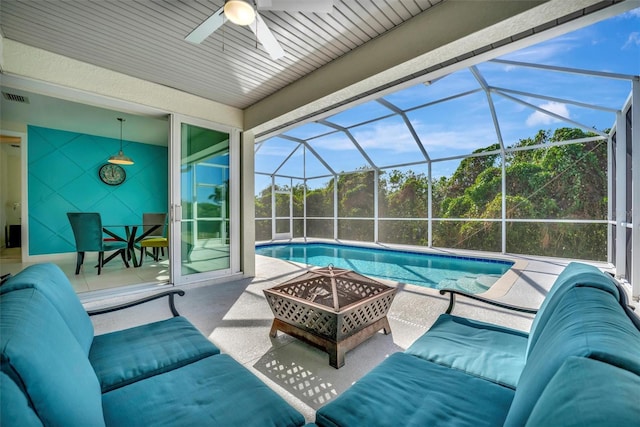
(115, 277)
(114, 274)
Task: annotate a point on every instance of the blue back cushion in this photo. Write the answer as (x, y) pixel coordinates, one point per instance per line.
(588, 323)
(39, 350)
(587, 392)
(55, 286)
(575, 274)
(14, 406)
(492, 352)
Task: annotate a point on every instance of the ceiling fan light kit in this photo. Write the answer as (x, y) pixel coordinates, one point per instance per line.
(243, 12)
(120, 158)
(239, 12)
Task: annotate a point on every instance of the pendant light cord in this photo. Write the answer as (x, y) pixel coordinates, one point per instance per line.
(121, 120)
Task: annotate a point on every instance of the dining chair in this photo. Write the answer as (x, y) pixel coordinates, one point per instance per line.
(87, 231)
(156, 243)
(148, 221)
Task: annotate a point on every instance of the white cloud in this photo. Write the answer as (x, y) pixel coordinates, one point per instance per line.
(547, 51)
(539, 118)
(334, 142)
(536, 54)
(397, 140)
(388, 136)
(445, 141)
(632, 40)
(276, 150)
(634, 13)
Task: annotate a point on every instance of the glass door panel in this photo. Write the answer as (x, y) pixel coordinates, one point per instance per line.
(202, 203)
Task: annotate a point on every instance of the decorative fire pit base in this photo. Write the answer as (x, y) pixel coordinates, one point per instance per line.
(331, 308)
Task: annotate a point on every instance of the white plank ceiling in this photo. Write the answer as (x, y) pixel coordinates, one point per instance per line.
(145, 39)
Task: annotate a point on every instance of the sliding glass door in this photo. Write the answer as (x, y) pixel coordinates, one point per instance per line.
(204, 201)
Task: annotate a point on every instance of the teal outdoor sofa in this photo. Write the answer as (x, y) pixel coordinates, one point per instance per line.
(56, 372)
(578, 366)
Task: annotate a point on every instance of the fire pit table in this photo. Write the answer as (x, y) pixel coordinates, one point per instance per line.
(330, 308)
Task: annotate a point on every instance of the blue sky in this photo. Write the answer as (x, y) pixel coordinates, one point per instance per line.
(462, 125)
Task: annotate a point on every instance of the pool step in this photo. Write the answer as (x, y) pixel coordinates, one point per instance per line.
(471, 284)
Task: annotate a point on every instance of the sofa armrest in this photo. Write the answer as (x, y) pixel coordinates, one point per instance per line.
(452, 301)
(171, 294)
(629, 309)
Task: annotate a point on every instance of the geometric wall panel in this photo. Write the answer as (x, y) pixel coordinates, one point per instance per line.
(62, 170)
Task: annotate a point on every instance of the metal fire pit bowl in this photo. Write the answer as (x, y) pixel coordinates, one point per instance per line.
(331, 308)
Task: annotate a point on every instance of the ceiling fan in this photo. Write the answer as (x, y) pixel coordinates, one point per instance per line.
(245, 12)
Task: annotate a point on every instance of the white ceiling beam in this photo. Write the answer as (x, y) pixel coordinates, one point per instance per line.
(425, 41)
(392, 55)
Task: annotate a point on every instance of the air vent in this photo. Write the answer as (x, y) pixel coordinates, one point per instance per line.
(15, 98)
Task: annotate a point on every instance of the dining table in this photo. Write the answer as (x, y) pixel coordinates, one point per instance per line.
(131, 236)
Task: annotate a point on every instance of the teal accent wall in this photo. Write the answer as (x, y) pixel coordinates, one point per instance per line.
(63, 177)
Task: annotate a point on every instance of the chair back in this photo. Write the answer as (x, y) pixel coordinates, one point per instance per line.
(151, 219)
(87, 230)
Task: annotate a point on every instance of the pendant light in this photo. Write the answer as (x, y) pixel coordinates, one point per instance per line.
(120, 158)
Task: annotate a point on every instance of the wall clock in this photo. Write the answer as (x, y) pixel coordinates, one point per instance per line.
(112, 174)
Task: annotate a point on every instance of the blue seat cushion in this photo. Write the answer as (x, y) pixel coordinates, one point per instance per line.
(409, 391)
(39, 350)
(574, 396)
(51, 281)
(14, 406)
(587, 322)
(215, 391)
(488, 351)
(575, 274)
(122, 357)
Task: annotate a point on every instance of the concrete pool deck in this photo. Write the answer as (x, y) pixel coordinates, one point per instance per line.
(237, 318)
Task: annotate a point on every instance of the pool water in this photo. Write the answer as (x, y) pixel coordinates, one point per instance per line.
(475, 275)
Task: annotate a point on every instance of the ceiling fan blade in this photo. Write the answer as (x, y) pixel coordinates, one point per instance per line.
(318, 6)
(207, 28)
(266, 38)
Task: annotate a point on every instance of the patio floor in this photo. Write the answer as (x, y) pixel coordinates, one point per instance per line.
(236, 317)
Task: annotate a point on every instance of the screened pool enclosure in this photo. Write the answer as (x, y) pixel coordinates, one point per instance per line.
(524, 154)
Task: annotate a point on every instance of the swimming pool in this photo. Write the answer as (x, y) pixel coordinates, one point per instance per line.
(436, 271)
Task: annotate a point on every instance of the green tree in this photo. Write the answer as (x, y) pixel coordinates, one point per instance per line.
(356, 200)
(403, 195)
(549, 181)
